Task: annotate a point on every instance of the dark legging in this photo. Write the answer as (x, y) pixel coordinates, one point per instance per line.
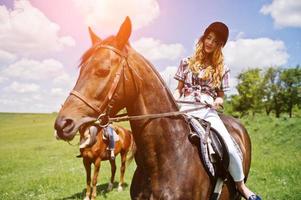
(110, 132)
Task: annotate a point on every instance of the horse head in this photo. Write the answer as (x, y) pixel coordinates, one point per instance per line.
(100, 88)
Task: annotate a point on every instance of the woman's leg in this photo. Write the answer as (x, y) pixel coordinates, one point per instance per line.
(243, 189)
(111, 141)
(235, 164)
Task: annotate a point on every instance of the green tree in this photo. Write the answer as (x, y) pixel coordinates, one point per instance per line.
(273, 91)
(251, 91)
(269, 80)
(291, 82)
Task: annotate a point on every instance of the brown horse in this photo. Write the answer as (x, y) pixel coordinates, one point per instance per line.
(98, 152)
(113, 76)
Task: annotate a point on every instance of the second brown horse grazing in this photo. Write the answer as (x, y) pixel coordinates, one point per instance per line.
(98, 152)
(114, 76)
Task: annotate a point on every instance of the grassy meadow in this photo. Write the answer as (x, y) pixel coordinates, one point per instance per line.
(34, 165)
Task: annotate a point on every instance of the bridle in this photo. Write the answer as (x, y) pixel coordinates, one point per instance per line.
(103, 118)
(107, 105)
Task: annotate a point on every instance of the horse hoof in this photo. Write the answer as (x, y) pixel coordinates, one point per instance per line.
(86, 198)
(110, 187)
(120, 189)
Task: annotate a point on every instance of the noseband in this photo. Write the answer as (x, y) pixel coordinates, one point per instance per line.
(103, 118)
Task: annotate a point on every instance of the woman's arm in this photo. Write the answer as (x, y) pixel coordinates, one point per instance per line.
(219, 100)
(178, 92)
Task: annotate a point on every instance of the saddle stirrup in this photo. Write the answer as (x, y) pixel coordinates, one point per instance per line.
(217, 189)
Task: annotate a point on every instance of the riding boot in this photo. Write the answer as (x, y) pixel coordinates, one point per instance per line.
(254, 197)
(194, 138)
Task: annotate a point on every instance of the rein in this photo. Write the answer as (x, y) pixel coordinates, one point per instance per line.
(153, 116)
(103, 119)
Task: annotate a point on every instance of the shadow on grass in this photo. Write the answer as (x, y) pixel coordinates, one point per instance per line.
(101, 191)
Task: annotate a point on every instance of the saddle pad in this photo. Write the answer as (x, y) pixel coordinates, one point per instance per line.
(203, 146)
(213, 150)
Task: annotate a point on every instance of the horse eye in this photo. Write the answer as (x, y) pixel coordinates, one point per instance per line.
(104, 71)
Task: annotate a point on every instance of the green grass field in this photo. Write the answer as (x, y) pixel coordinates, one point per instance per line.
(33, 165)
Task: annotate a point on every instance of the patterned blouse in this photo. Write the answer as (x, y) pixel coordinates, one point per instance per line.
(193, 85)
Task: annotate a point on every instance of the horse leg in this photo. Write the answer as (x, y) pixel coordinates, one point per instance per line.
(95, 175)
(122, 170)
(140, 186)
(87, 165)
(113, 171)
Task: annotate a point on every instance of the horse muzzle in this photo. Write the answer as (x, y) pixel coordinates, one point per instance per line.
(66, 128)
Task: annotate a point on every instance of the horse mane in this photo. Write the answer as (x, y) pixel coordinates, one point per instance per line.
(157, 74)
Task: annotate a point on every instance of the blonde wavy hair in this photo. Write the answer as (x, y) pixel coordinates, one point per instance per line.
(199, 59)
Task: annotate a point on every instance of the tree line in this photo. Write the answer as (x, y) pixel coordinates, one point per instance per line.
(274, 90)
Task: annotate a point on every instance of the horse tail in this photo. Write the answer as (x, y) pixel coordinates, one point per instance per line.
(132, 150)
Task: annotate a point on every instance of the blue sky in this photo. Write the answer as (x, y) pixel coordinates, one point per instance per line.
(41, 41)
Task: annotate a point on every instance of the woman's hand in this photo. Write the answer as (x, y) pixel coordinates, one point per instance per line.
(176, 94)
(218, 103)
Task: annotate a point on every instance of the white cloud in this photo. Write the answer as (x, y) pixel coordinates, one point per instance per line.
(25, 30)
(3, 79)
(168, 76)
(63, 79)
(108, 14)
(57, 92)
(286, 13)
(240, 35)
(22, 87)
(244, 54)
(34, 86)
(22, 102)
(259, 52)
(6, 57)
(28, 69)
(156, 50)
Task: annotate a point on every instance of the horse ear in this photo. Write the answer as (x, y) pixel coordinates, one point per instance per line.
(124, 33)
(94, 38)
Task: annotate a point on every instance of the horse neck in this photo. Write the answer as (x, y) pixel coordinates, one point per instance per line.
(152, 95)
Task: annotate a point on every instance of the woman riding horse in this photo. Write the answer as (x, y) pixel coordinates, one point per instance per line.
(114, 76)
(92, 132)
(204, 78)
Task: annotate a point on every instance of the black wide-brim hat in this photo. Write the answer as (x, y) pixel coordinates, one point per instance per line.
(220, 29)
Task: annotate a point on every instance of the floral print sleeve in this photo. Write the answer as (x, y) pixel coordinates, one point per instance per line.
(182, 70)
(225, 86)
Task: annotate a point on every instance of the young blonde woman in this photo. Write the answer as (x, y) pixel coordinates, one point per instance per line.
(204, 78)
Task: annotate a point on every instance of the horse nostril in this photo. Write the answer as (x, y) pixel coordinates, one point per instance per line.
(64, 125)
(68, 125)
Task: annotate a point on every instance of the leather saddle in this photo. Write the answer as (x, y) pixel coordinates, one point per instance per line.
(212, 148)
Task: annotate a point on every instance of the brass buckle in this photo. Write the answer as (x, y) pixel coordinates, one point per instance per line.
(102, 120)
